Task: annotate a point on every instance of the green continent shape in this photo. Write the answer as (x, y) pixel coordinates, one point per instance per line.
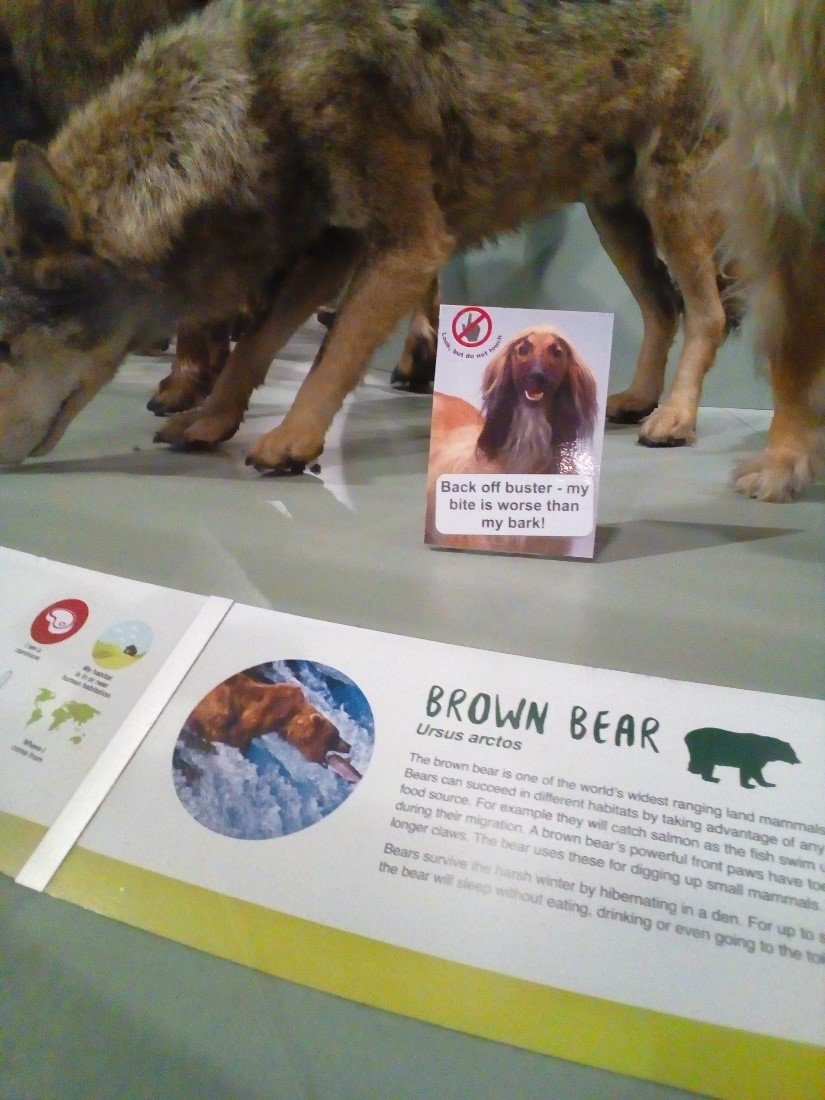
(80, 713)
(59, 716)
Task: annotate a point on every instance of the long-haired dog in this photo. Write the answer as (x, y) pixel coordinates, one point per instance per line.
(303, 148)
(767, 62)
(538, 413)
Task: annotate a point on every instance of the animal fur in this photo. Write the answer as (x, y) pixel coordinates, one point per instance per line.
(539, 408)
(242, 708)
(767, 62)
(307, 146)
(54, 56)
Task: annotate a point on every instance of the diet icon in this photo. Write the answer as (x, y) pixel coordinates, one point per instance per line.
(59, 621)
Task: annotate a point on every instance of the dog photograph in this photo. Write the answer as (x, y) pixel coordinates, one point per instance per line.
(273, 749)
(530, 405)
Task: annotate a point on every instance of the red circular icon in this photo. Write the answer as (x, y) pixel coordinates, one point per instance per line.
(472, 326)
(59, 621)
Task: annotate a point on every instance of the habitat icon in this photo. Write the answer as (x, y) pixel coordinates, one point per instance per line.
(122, 645)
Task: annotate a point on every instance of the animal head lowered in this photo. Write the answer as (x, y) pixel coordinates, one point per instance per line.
(243, 708)
(539, 402)
(65, 313)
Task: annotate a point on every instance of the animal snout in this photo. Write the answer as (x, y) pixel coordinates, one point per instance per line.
(340, 745)
(536, 384)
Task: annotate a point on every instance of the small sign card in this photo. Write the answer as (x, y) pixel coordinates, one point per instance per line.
(517, 430)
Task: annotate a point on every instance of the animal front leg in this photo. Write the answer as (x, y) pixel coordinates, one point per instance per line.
(752, 773)
(382, 290)
(317, 276)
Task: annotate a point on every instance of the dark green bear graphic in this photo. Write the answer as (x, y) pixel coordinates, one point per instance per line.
(749, 752)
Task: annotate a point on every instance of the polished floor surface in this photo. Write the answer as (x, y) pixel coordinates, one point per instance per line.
(690, 581)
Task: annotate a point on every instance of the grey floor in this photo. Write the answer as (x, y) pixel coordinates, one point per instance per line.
(690, 581)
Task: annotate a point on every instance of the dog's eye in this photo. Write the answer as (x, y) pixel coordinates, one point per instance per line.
(5, 351)
(555, 351)
(524, 348)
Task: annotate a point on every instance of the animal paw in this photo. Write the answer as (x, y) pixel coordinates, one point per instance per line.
(775, 476)
(416, 369)
(176, 394)
(197, 428)
(627, 408)
(285, 450)
(668, 426)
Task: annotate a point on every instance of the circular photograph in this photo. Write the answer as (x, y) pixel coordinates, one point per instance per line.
(121, 645)
(273, 749)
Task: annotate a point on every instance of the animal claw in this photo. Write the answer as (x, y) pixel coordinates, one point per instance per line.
(285, 468)
(665, 441)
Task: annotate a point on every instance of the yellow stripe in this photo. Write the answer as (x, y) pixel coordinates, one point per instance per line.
(18, 839)
(722, 1062)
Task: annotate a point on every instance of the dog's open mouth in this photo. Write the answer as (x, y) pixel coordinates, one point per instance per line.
(535, 388)
(68, 407)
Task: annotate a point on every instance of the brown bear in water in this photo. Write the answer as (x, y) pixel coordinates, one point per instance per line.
(241, 709)
(749, 752)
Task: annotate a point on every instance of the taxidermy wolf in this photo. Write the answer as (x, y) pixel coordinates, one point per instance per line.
(293, 148)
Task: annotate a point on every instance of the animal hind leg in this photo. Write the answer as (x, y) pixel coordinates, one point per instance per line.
(688, 234)
(416, 368)
(201, 353)
(315, 278)
(703, 768)
(627, 237)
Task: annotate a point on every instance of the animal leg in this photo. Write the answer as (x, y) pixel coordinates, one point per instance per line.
(627, 238)
(315, 278)
(416, 368)
(382, 290)
(754, 774)
(794, 454)
(688, 235)
(201, 353)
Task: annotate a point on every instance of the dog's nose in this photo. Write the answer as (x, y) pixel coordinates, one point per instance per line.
(535, 385)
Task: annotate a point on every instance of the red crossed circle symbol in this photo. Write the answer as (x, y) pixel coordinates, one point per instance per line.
(472, 326)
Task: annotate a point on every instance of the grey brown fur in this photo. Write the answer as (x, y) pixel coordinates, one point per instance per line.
(299, 146)
(767, 63)
(56, 54)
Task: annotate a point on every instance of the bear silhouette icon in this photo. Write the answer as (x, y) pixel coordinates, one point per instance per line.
(711, 748)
